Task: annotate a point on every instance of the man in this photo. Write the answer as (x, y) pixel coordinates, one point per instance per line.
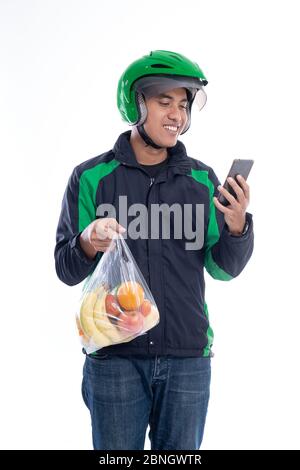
(161, 378)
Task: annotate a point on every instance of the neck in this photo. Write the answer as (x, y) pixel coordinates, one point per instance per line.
(145, 154)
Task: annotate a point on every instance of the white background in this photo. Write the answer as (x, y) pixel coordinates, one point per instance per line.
(60, 64)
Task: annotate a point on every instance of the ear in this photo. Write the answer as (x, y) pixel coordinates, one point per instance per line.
(142, 109)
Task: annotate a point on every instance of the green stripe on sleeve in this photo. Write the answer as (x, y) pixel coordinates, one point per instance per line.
(88, 185)
(209, 334)
(214, 270)
(213, 233)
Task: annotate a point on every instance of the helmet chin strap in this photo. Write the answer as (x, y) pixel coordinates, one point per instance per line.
(146, 137)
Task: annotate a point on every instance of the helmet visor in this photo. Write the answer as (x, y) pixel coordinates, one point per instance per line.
(154, 85)
(200, 99)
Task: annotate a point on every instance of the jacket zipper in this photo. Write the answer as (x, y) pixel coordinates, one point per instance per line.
(150, 185)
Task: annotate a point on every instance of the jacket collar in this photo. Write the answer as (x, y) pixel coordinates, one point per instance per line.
(179, 161)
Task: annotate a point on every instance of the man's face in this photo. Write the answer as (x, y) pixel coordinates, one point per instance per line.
(165, 110)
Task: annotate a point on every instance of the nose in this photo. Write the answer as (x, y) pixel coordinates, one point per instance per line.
(175, 113)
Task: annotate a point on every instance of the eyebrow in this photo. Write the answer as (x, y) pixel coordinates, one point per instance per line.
(163, 95)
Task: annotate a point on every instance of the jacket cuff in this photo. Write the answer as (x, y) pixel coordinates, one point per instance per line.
(244, 236)
(76, 247)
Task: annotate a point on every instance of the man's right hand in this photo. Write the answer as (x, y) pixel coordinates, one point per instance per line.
(98, 235)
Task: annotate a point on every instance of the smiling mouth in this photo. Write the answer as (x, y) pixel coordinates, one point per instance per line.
(172, 129)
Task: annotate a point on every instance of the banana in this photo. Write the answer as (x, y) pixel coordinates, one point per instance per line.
(96, 325)
(103, 323)
(87, 320)
(86, 312)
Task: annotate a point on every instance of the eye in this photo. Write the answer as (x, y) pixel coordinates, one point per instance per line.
(183, 106)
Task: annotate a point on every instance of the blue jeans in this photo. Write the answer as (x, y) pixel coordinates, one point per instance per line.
(126, 393)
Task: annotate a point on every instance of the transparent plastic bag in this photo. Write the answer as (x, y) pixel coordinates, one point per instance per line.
(116, 304)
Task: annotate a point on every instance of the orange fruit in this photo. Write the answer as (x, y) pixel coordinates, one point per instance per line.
(130, 295)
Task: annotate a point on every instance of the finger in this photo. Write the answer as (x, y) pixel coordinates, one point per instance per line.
(101, 247)
(228, 196)
(100, 237)
(101, 242)
(104, 233)
(109, 229)
(245, 186)
(114, 225)
(220, 206)
(237, 189)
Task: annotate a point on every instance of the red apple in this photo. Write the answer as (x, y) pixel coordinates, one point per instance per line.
(112, 307)
(146, 307)
(131, 321)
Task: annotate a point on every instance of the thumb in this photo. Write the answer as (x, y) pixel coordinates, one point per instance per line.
(116, 226)
(121, 229)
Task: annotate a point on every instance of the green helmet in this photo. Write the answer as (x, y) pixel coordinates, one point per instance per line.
(164, 64)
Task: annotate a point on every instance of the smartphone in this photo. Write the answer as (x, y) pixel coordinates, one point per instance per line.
(239, 167)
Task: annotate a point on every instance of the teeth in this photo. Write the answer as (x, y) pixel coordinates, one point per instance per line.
(171, 128)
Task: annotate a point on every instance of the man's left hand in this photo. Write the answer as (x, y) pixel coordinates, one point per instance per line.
(235, 213)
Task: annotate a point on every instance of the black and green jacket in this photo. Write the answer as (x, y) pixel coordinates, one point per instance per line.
(175, 276)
